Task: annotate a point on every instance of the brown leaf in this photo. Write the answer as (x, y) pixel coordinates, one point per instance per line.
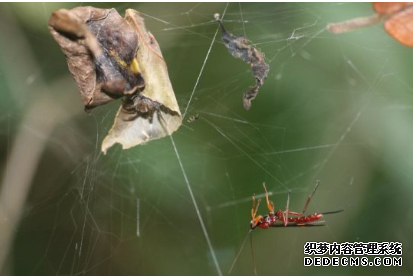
(239, 47)
(100, 48)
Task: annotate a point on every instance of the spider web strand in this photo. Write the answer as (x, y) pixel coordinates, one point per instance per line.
(201, 221)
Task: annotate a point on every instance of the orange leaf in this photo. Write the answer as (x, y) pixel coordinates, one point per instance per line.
(397, 17)
(389, 7)
(400, 26)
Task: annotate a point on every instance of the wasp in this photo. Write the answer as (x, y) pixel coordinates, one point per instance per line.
(286, 217)
(280, 218)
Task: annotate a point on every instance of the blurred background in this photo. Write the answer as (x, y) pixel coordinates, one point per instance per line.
(334, 108)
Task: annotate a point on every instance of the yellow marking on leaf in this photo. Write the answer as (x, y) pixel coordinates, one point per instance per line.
(135, 66)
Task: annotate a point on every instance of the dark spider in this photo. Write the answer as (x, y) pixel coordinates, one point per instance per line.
(140, 106)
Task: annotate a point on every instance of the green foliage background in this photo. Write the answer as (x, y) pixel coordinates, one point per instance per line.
(337, 108)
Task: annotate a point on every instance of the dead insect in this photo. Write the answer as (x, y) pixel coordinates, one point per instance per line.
(112, 57)
(193, 118)
(239, 47)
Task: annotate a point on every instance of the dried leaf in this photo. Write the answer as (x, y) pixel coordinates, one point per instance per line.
(397, 17)
(154, 112)
(239, 47)
(112, 57)
(100, 48)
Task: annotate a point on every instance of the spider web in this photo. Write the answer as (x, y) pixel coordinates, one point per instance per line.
(334, 108)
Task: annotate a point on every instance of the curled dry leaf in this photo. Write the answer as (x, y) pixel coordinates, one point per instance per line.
(239, 47)
(112, 57)
(397, 17)
(154, 112)
(100, 48)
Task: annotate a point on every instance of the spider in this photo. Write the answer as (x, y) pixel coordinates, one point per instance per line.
(272, 218)
(140, 106)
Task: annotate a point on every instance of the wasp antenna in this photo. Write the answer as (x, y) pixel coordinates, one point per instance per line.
(332, 212)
